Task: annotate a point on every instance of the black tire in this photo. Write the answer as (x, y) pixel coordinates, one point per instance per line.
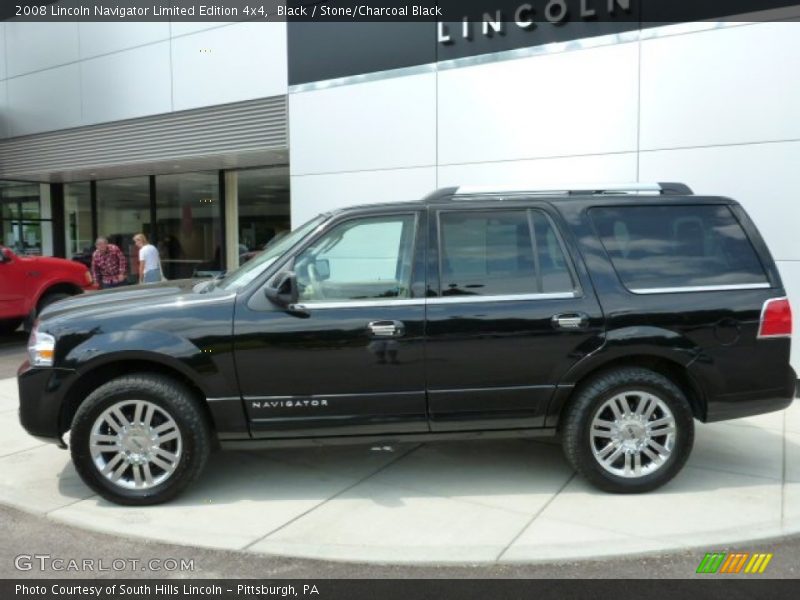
(49, 299)
(9, 326)
(171, 397)
(590, 398)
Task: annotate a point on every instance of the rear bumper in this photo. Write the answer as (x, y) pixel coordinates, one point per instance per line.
(40, 400)
(735, 406)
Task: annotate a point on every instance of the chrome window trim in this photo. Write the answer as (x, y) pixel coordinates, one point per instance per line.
(358, 304)
(702, 288)
(502, 298)
(422, 301)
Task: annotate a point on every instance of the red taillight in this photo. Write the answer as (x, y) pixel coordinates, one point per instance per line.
(776, 319)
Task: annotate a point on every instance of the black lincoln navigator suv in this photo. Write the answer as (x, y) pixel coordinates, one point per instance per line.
(613, 316)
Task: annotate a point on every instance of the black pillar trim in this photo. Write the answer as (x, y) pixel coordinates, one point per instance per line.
(223, 254)
(93, 203)
(57, 214)
(153, 231)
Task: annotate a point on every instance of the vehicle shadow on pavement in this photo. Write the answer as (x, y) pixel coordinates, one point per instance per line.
(470, 501)
(725, 457)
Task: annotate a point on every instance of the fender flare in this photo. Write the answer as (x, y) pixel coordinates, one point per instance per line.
(634, 344)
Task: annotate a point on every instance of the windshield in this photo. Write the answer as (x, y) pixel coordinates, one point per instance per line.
(257, 265)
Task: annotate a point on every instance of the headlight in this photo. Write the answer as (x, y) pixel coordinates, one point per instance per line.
(41, 348)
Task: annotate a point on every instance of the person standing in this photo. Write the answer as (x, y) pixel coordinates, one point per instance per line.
(149, 261)
(109, 266)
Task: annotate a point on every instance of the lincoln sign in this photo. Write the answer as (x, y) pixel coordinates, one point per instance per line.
(526, 17)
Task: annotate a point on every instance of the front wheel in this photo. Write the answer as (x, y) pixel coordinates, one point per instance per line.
(139, 439)
(628, 430)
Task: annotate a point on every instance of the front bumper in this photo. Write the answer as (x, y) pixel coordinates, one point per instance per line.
(41, 397)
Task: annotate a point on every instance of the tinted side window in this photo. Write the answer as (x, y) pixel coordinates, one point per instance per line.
(551, 264)
(368, 258)
(499, 253)
(655, 247)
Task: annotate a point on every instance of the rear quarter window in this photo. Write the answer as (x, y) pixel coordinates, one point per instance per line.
(658, 247)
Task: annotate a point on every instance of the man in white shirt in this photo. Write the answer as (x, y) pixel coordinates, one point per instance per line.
(149, 261)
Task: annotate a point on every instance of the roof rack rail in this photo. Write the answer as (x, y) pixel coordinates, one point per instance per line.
(584, 189)
(440, 194)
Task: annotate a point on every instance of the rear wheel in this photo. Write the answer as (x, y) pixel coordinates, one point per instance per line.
(628, 430)
(140, 439)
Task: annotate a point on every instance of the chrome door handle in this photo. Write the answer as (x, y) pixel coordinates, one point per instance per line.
(570, 321)
(386, 328)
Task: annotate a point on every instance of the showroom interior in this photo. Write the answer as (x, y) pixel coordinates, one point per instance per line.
(182, 212)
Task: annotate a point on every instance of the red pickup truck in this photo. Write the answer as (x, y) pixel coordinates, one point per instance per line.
(29, 283)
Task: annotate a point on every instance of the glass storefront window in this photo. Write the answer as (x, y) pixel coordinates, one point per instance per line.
(9, 233)
(78, 220)
(123, 210)
(30, 209)
(21, 223)
(264, 214)
(189, 227)
(187, 209)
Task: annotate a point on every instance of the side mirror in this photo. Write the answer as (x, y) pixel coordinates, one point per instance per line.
(284, 291)
(5, 255)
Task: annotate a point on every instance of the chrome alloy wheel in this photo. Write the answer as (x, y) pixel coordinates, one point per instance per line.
(632, 434)
(135, 444)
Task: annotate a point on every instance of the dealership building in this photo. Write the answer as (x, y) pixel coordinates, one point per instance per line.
(213, 137)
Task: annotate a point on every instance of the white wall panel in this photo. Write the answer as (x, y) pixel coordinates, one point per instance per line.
(726, 86)
(611, 168)
(102, 37)
(44, 101)
(581, 102)
(762, 177)
(313, 194)
(128, 84)
(3, 109)
(2, 51)
(33, 46)
(187, 27)
(790, 274)
(377, 125)
(229, 64)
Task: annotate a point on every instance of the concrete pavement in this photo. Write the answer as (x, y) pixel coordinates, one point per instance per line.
(12, 352)
(491, 502)
(25, 534)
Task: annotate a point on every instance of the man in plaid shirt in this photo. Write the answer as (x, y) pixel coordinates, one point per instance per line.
(109, 267)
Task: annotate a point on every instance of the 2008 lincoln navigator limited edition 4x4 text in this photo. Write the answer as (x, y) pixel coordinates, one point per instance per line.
(613, 316)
